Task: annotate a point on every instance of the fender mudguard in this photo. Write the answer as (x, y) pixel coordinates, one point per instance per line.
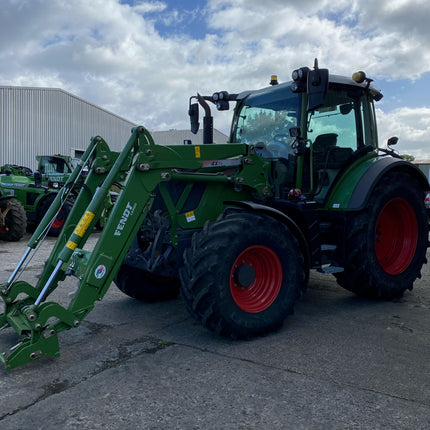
(354, 189)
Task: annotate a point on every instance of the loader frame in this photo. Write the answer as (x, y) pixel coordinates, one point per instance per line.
(141, 166)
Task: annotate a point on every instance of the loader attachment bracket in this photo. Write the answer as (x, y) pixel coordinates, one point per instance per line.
(30, 349)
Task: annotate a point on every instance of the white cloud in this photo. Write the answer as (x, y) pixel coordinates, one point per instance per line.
(145, 7)
(411, 125)
(112, 54)
(384, 36)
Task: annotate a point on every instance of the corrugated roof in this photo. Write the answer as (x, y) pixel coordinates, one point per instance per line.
(49, 89)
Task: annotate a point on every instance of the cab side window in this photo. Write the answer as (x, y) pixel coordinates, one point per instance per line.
(335, 131)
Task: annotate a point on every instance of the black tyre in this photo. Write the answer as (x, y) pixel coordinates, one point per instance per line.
(15, 221)
(61, 217)
(242, 274)
(387, 243)
(146, 286)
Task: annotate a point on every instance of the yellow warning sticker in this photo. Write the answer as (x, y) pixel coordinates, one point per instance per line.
(197, 151)
(190, 216)
(84, 223)
(71, 245)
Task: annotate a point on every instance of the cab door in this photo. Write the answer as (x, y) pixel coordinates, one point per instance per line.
(335, 133)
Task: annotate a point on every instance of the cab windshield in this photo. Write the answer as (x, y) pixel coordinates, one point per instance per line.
(264, 120)
(53, 165)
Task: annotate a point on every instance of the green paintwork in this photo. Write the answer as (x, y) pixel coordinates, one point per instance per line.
(22, 184)
(22, 187)
(53, 171)
(343, 189)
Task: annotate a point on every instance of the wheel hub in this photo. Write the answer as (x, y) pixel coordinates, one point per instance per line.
(256, 278)
(244, 275)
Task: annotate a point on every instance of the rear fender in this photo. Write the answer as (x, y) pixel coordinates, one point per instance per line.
(354, 189)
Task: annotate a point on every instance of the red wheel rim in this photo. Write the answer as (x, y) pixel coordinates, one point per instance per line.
(255, 279)
(59, 220)
(396, 236)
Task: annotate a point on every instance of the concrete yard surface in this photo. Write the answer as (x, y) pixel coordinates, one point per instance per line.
(340, 362)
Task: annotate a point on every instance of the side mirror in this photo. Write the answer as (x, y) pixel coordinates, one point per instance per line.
(317, 88)
(392, 141)
(193, 112)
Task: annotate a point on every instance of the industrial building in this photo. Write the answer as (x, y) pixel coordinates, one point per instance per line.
(36, 121)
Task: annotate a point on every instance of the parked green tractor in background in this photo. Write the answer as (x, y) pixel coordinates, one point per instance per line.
(37, 190)
(235, 227)
(54, 169)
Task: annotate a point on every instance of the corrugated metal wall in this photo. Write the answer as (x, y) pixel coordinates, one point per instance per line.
(37, 121)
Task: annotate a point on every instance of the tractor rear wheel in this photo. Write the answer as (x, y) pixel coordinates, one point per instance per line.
(387, 243)
(15, 222)
(242, 274)
(146, 286)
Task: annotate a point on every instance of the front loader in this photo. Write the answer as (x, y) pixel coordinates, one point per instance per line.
(234, 227)
(144, 167)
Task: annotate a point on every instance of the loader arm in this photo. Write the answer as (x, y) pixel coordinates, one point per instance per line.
(142, 166)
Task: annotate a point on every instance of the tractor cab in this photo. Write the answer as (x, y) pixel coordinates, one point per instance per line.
(310, 141)
(54, 169)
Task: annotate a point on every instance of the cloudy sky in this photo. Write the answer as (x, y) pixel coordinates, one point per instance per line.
(143, 59)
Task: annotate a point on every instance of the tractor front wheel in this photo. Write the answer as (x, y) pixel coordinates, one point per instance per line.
(242, 274)
(386, 244)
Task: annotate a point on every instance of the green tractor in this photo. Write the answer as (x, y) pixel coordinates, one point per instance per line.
(37, 190)
(54, 169)
(235, 227)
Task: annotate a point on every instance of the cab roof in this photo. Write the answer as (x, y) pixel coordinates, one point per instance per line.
(333, 79)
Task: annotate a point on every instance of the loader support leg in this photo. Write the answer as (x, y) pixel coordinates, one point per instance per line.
(31, 348)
